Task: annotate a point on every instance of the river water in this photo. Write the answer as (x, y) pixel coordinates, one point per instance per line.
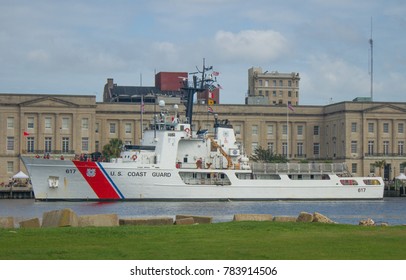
(391, 209)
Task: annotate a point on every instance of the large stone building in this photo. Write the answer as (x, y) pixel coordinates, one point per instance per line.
(358, 133)
(272, 88)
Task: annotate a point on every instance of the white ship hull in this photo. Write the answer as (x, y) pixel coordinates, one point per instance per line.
(78, 180)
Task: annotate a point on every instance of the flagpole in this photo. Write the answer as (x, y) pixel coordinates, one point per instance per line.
(142, 114)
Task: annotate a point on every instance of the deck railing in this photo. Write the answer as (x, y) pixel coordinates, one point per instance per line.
(299, 168)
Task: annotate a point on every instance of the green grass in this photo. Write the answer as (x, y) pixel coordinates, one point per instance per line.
(221, 241)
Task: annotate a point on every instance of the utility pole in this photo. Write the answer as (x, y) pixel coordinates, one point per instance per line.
(371, 43)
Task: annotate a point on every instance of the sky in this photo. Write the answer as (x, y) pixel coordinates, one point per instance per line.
(72, 47)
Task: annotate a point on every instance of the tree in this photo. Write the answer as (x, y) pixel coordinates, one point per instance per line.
(266, 155)
(380, 164)
(113, 148)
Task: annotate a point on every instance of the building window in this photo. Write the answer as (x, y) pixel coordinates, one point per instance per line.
(269, 129)
(97, 146)
(274, 93)
(112, 128)
(10, 143)
(285, 149)
(270, 147)
(237, 129)
(371, 127)
(299, 149)
(10, 167)
(354, 147)
(316, 130)
(30, 144)
(65, 123)
(385, 147)
(274, 83)
(284, 129)
(370, 147)
(280, 83)
(127, 128)
(96, 128)
(400, 147)
(85, 123)
(30, 123)
(289, 83)
(300, 130)
(386, 128)
(353, 127)
(353, 168)
(10, 122)
(65, 144)
(254, 146)
(85, 144)
(400, 128)
(254, 130)
(48, 122)
(316, 149)
(48, 144)
(260, 83)
(266, 83)
(402, 167)
(372, 168)
(289, 93)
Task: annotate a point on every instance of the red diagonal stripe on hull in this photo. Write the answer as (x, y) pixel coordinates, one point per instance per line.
(96, 179)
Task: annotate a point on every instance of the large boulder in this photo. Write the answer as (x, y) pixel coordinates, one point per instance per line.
(155, 221)
(320, 218)
(30, 223)
(367, 222)
(284, 219)
(60, 218)
(253, 217)
(99, 220)
(185, 221)
(304, 217)
(6, 222)
(197, 219)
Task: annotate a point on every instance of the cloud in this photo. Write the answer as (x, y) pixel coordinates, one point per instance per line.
(251, 45)
(332, 77)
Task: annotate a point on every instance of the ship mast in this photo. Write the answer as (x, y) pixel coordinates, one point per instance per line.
(196, 85)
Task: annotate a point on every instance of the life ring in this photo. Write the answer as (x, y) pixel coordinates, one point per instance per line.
(134, 157)
(187, 130)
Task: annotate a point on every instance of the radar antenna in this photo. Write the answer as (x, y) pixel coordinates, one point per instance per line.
(196, 85)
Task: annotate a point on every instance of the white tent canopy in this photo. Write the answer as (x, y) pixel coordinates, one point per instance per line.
(402, 176)
(21, 175)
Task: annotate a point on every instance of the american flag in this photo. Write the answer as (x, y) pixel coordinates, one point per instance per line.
(210, 109)
(290, 107)
(219, 87)
(215, 73)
